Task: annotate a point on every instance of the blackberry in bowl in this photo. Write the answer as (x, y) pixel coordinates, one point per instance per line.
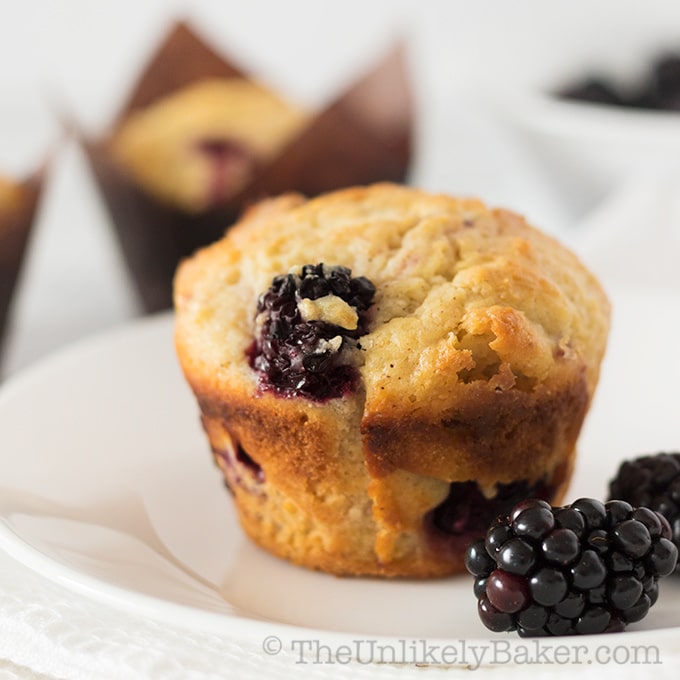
(584, 568)
(378, 369)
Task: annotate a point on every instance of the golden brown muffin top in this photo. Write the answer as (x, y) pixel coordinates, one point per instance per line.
(199, 146)
(466, 296)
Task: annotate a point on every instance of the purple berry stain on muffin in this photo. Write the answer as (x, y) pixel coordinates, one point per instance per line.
(231, 164)
(239, 468)
(308, 327)
(466, 512)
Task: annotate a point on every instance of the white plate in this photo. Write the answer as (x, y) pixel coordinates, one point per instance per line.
(108, 488)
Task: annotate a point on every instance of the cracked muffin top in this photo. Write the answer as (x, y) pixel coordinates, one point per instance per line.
(463, 292)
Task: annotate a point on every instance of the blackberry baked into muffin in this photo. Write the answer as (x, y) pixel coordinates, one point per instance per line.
(381, 371)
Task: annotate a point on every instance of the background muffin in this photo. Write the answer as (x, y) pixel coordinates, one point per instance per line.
(371, 422)
(200, 139)
(200, 146)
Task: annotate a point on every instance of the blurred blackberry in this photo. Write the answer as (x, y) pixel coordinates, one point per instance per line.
(593, 90)
(584, 568)
(654, 482)
(659, 89)
(664, 83)
(312, 358)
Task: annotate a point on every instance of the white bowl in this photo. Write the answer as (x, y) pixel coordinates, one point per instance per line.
(585, 149)
(588, 149)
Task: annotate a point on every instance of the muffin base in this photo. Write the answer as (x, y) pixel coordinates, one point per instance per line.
(380, 526)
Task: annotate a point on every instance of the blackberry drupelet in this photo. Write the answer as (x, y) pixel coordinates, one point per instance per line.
(584, 568)
(652, 481)
(296, 355)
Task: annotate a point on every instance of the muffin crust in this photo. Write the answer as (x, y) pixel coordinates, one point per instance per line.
(480, 361)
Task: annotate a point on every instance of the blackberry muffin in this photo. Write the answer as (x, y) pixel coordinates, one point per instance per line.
(199, 146)
(381, 371)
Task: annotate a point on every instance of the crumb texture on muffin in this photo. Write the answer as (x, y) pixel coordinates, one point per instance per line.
(480, 359)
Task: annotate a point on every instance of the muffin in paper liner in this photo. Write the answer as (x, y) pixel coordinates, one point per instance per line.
(381, 371)
(18, 203)
(175, 172)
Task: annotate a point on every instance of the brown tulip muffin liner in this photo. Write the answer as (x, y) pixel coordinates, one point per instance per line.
(362, 137)
(15, 229)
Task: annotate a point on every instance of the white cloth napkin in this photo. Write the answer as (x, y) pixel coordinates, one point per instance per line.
(48, 632)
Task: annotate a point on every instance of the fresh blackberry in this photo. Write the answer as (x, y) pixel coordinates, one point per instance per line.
(585, 568)
(297, 351)
(652, 481)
